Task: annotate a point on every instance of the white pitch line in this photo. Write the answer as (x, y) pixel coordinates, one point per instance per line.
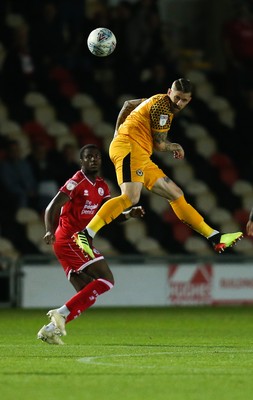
(93, 360)
(96, 360)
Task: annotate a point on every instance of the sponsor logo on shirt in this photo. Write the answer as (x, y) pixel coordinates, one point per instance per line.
(89, 208)
(163, 119)
(86, 192)
(71, 185)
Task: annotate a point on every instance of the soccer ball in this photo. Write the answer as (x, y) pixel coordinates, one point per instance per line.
(101, 42)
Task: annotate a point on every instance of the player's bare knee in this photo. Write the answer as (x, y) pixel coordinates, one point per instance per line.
(175, 194)
(134, 198)
(179, 192)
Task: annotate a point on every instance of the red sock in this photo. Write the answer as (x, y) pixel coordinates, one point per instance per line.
(86, 297)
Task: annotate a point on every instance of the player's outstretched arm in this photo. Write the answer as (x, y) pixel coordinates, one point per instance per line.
(161, 143)
(52, 215)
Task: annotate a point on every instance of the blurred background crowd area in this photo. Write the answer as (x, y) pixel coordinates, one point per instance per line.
(56, 97)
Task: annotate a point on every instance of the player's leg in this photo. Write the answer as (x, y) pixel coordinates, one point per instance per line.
(101, 280)
(89, 277)
(106, 214)
(72, 260)
(79, 279)
(98, 270)
(160, 184)
(127, 161)
(50, 333)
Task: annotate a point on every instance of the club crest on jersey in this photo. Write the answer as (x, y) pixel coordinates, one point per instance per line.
(101, 191)
(139, 172)
(71, 185)
(163, 119)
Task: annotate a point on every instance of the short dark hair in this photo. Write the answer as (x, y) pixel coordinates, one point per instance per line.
(183, 85)
(88, 146)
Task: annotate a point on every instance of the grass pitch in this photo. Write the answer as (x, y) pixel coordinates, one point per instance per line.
(130, 354)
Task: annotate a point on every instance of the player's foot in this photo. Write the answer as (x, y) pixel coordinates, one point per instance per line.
(84, 241)
(49, 336)
(58, 320)
(227, 240)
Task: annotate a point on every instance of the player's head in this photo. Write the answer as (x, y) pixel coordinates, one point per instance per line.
(180, 94)
(90, 157)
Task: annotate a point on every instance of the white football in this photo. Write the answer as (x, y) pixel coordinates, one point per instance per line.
(101, 42)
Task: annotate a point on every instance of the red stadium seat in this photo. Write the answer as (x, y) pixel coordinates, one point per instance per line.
(181, 232)
(241, 215)
(37, 133)
(220, 160)
(85, 134)
(170, 217)
(68, 89)
(60, 74)
(229, 175)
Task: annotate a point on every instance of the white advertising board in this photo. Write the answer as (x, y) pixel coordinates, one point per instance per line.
(146, 285)
(233, 284)
(135, 285)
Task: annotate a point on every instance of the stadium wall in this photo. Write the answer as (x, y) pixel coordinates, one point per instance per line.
(153, 284)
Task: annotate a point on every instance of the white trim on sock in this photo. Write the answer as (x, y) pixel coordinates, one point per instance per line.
(63, 310)
(212, 234)
(91, 232)
(109, 284)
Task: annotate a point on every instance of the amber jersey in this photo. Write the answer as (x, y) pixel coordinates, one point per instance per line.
(86, 197)
(152, 115)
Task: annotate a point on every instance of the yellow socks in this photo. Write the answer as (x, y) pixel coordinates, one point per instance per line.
(108, 212)
(115, 206)
(187, 214)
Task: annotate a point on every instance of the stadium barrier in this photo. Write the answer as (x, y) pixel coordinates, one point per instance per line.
(140, 281)
(8, 282)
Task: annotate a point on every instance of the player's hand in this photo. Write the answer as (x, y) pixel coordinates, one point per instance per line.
(179, 155)
(137, 212)
(49, 238)
(177, 150)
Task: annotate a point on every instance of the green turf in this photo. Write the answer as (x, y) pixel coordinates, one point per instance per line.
(130, 354)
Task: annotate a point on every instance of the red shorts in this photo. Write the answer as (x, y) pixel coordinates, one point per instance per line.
(72, 258)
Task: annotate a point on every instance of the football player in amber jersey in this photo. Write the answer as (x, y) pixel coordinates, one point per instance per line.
(72, 208)
(142, 127)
